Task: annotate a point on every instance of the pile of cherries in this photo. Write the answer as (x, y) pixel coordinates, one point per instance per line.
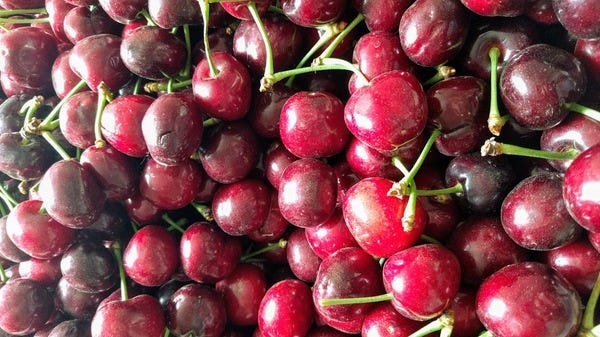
(299, 168)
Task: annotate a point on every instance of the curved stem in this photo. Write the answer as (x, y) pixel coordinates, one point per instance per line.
(429, 239)
(47, 135)
(52, 115)
(458, 188)
(397, 162)
(495, 120)
(356, 300)
(203, 210)
(422, 156)
(340, 37)
(493, 148)
(269, 70)
(21, 11)
(185, 72)
(3, 277)
(590, 308)
(172, 224)
(443, 72)
(10, 201)
(282, 243)
(444, 323)
(116, 249)
(266, 83)
(205, 9)
(104, 95)
(154, 87)
(588, 112)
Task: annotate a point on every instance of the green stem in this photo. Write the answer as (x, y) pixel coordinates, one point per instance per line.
(269, 70)
(493, 148)
(495, 120)
(422, 156)
(11, 202)
(486, 333)
(52, 115)
(588, 112)
(429, 239)
(397, 162)
(185, 73)
(341, 36)
(3, 211)
(172, 224)
(21, 11)
(443, 72)
(30, 107)
(138, 85)
(104, 95)
(458, 188)
(204, 210)
(167, 332)
(356, 300)
(25, 21)
(116, 248)
(408, 218)
(587, 321)
(47, 135)
(282, 243)
(3, 277)
(153, 87)
(205, 9)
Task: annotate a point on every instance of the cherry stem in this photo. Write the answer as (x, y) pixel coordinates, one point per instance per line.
(185, 73)
(587, 321)
(269, 70)
(49, 137)
(104, 96)
(172, 223)
(31, 106)
(10, 201)
(282, 243)
(205, 9)
(486, 333)
(153, 87)
(203, 210)
(266, 83)
(3, 211)
(44, 125)
(340, 37)
(20, 11)
(25, 21)
(116, 249)
(397, 162)
(493, 148)
(356, 300)
(429, 239)
(495, 120)
(444, 324)
(210, 122)
(443, 72)
(167, 332)
(586, 111)
(146, 15)
(458, 188)
(408, 178)
(408, 218)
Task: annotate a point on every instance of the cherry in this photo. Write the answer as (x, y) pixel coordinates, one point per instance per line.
(198, 309)
(528, 299)
(229, 152)
(121, 124)
(330, 236)
(10, 119)
(384, 121)
(96, 59)
(57, 9)
(483, 247)
(433, 32)
(302, 260)
(385, 320)
(382, 15)
(75, 204)
(276, 159)
(63, 78)
(76, 119)
(242, 291)
(576, 17)
(141, 210)
(167, 14)
(89, 266)
(226, 73)
(578, 192)
(172, 128)
(588, 52)
(349, 272)
(286, 309)
(239, 9)
(30, 306)
(23, 158)
(535, 224)
(366, 162)
(313, 115)
(558, 76)
(44, 271)
(170, 187)
(207, 254)
(313, 13)
(463, 306)
(151, 256)
(8, 250)
(81, 22)
(141, 315)
(72, 327)
(307, 192)
(265, 110)
(76, 303)
(123, 11)
(37, 234)
(497, 8)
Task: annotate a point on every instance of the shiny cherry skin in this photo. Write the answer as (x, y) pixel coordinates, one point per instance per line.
(239, 9)
(168, 14)
(302, 260)
(30, 306)
(77, 303)
(286, 309)
(275, 225)
(330, 236)
(265, 110)
(44, 271)
(535, 301)
(63, 78)
(72, 327)
(23, 159)
(385, 320)
(89, 266)
(580, 197)
(382, 15)
(76, 119)
(588, 51)
(8, 251)
(81, 22)
(141, 210)
(313, 13)
(123, 11)
(275, 160)
(375, 218)
(365, 161)
(144, 317)
(577, 17)
(497, 8)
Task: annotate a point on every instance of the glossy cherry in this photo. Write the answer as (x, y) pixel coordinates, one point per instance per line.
(81, 22)
(23, 158)
(330, 236)
(138, 316)
(576, 17)
(382, 15)
(76, 119)
(89, 266)
(286, 309)
(313, 13)
(167, 14)
(496, 8)
(30, 306)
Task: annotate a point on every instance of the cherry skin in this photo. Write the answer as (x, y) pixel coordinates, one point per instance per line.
(123, 11)
(538, 224)
(375, 218)
(275, 225)
(76, 119)
(196, 308)
(239, 9)
(307, 192)
(30, 306)
(386, 121)
(349, 272)
(89, 266)
(72, 327)
(151, 257)
(382, 15)
(535, 301)
(558, 77)
(23, 159)
(275, 160)
(313, 13)
(302, 260)
(579, 195)
(385, 320)
(167, 14)
(8, 250)
(577, 18)
(44, 271)
(143, 317)
(81, 22)
(313, 115)
(483, 247)
(57, 9)
(497, 8)
(588, 51)
(265, 110)
(76, 303)
(121, 124)
(172, 128)
(365, 161)
(433, 32)
(63, 78)
(286, 309)
(330, 236)
(10, 120)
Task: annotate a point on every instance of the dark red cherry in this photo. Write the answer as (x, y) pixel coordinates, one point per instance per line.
(165, 56)
(141, 210)
(433, 32)
(89, 266)
(388, 112)
(313, 115)
(71, 194)
(286, 309)
(44, 271)
(141, 315)
(276, 158)
(23, 158)
(207, 254)
(483, 247)
(76, 119)
(579, 193)
(239, 9)
(382, 15)
(170, 187)
(385, 320)
(265, 110)
(63, 77)
(366, 162)
(558, 78)
(96, 59)
(302, 260)
(10, 119)
(123, 11)
(81, 22)
(72, 327)
(233, 77)
(376, 219)
(117, 173)
(534, 300)
(577, 17)
(170, 14)
(313, 13)
(151, 257)
(172, 128)
(76, 303)
(274, 226)
(30, 306)
(349, 272)
(35, 233)
(8, 250)
(497, 8)
(588, 52)
(307, 192)
(538, 224)
(121, 124)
